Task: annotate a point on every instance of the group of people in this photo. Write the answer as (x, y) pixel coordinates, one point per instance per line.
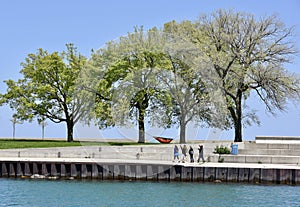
(185, 150)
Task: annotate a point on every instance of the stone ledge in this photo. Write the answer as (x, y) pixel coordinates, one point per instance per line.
(277, 139)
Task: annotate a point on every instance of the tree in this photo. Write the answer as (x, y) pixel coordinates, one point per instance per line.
(189, 98)
(43, 123)
(193, 99)
(15, 122)
(127, 87)
(48, 88)
(246, 55)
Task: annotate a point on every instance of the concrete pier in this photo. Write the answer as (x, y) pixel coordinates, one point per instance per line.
(149, 170)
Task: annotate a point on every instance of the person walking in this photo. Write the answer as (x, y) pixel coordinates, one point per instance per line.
(201, 156)
(184, 150)
(176, 153)
(191, 153)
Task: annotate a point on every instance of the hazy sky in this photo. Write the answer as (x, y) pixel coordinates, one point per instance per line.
(26, 25)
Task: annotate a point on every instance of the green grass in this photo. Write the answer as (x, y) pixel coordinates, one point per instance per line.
(27, 143)
(15, 144)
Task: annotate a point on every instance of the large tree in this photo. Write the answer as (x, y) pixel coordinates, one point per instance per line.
(48, 88)
(126, 87)
(192, 97)
(245, 55)
(188, 96)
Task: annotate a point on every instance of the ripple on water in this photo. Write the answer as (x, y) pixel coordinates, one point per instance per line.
(31, 193)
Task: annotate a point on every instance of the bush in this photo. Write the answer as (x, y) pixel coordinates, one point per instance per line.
(221, 150)
(221, 159)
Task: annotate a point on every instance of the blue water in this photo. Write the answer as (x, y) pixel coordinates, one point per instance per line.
(103, 193)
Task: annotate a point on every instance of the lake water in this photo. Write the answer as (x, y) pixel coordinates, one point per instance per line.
(18, 192)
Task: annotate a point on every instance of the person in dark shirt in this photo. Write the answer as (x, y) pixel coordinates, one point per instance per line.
(191, 153)
(176, 153)
(201, 156)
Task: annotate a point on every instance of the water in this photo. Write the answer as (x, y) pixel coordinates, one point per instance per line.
(33, 193)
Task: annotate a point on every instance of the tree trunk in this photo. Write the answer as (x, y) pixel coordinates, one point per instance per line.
(70, 126)
(183, 123)
(182, 132)
(14, 130)
(238, 121)
(141, 126)
(43, 131)
(236, 115)
(238, 132)
(141, 106)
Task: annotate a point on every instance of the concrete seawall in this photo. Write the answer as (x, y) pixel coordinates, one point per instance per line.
(276, 163)
(148, 170)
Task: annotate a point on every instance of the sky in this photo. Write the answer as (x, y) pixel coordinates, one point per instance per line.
(28, 25)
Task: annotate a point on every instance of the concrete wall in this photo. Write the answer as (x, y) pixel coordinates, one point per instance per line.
(142, 171)
(143, 152)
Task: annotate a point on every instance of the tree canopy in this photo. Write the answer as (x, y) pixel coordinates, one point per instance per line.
(245, 54)
(127, 89)
(48, 88)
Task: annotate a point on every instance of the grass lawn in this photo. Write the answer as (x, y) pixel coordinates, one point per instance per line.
(27, 143)
(22, 143)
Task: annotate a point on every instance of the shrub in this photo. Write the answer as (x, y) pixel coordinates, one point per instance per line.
(221, 150)
(221, 159)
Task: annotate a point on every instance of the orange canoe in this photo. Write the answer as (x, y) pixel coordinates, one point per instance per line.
(163, 139)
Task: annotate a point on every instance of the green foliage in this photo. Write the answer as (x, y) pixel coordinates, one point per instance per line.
(221, 150)
(128, 92)
(48, 88)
